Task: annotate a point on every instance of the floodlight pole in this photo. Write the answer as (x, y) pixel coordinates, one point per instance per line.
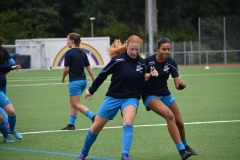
(92, 19)
(150, 27)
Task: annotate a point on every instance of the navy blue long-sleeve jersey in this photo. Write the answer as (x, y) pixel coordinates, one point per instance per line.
(76, 61)
(158, 85)
(127, 77)
(3, 71)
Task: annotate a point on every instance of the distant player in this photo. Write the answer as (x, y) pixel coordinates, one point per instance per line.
(75, 62)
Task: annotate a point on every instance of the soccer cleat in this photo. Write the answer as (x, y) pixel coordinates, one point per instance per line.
(81, 158)
(189, 149)
(82, 155)
(69, 127)
(8, 139)
(16, 134)
(125, 156)
(93, 118)
(185, 154)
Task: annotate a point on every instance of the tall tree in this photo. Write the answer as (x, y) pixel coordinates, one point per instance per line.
(11, 26)
(127, 13)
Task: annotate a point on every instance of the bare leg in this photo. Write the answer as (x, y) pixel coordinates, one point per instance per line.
(178, 119)
(158, 107)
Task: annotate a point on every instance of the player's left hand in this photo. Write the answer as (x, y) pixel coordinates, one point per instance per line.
(183, 83)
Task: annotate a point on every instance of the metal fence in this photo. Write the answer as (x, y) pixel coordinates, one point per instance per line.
(218, 43)
(186, 54)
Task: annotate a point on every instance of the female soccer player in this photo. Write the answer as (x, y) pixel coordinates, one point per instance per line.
(128, 71)
(8, 107)
(5, 57)
(75, 62)
(156, 95)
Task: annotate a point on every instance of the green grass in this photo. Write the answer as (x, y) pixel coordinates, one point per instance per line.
(208, 105)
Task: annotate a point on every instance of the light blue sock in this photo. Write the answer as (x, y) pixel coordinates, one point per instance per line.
(72, 119)
(89, 140)
(12, 122)
(3, 129)
(127, 138)
(185, 143)
(180, 146)
(89, 114)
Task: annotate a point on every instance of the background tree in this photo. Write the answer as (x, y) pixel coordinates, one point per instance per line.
(11, 26)
(176, 19)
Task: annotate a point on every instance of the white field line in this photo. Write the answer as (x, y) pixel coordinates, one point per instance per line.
(216, 74)
(135, 126)
(45, 84)
(88, 77)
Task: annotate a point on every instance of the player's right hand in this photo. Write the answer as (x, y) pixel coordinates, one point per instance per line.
(88, 95)
(147, 76)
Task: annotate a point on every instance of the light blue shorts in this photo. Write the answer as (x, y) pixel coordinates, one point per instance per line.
(3, 89)
(167, 100)
(110, 106)
(4, 100)
(77, 87)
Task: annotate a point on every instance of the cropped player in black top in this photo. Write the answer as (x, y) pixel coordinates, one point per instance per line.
(157, 97)
(5, 59)
(8, 107)
(75, 62)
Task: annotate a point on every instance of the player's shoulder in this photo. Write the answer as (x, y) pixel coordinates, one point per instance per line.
(4, 51)
(140, 59)
(150, 58)
(119, 58)
(72, 51)
(170, 60)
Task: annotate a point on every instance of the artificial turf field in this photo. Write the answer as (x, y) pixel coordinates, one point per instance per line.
(210, 107)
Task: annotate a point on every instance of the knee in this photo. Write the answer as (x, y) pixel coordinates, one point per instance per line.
(170, 116)
(128, 121)
(95, 129)
(10, 112)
